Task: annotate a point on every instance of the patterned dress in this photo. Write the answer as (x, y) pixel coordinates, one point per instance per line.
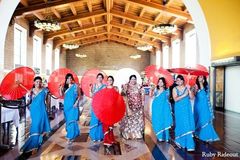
(132, 125)
(203, 115)
(161, 115)
(40, 122)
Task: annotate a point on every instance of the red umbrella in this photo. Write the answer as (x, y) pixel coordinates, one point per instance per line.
(57, 78)
(154, 73)
(189, 71)
(190, 80)
(17, 83)
(89, 77)
(108, 106)
(201, 67)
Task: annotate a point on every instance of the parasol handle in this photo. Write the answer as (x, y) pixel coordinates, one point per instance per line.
(23, 87)
(188, 78)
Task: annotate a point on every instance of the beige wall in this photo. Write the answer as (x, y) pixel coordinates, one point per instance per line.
(9, 50)
(106, 56)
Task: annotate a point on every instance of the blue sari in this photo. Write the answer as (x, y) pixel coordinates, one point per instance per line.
(161, 115)
(203, 115)
(184, 122)
(96, 130)
(71, 113)
(40, 122)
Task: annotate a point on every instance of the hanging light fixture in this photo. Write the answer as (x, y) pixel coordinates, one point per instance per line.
(164, 28)
(47, 24)
(144, 47)
(80, 55)
(70, 46)
(135, 56)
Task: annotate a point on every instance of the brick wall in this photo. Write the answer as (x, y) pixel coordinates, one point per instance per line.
(106, 56)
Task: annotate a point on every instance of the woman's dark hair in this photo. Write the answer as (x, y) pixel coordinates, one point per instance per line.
(111, 78)
(36, 78)
(132, 76)
(205, 83)
(180, 77)
(171, 100)
(164, 82)
(100, 74)
(65, 84)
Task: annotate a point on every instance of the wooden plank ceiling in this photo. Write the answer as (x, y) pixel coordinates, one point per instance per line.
(86, 22)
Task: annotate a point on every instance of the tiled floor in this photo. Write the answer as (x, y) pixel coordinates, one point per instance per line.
(55, 146)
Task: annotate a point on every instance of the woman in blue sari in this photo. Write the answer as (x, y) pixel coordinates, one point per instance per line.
(96, 129)
(70, 90)
(161, 111)
(39, 119)
(184, 121)
(203, 112)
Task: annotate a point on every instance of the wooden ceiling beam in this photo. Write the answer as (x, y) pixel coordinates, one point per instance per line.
(89, 5)
(66, 26)
(73, 34)
(42, 7)
(109, 5)
(123, 21)
(24, 3)
(82, 16)
(57, 43)
(38, 15)
(126, 7)
(139, 31)
(158, 7)
(133, 18)
(93, 20)
(73, 9)
(93, 41)
(134, 38)
(125, 10)
(142, 12)
(79, 23)
(173, 20)
(57, 14)
(65, 32)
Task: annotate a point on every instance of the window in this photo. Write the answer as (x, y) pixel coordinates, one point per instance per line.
(20, 45)
(37, 50)
(158, 58)
(57, 52)
(165, 57)
(48, 57)
(191, 48)
(176, 53)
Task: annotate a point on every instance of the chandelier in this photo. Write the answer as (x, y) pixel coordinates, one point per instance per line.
(80, 55)
(70, 46)
(135, 56)
(164, 28)
(144, 47)
(47, 24)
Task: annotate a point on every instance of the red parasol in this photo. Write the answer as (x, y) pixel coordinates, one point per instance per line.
(154, 73)
(201, 67)
(189, 71)
(57, 78)
(89, 77)
(108, 106)
(190, 80)
(17, 83)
